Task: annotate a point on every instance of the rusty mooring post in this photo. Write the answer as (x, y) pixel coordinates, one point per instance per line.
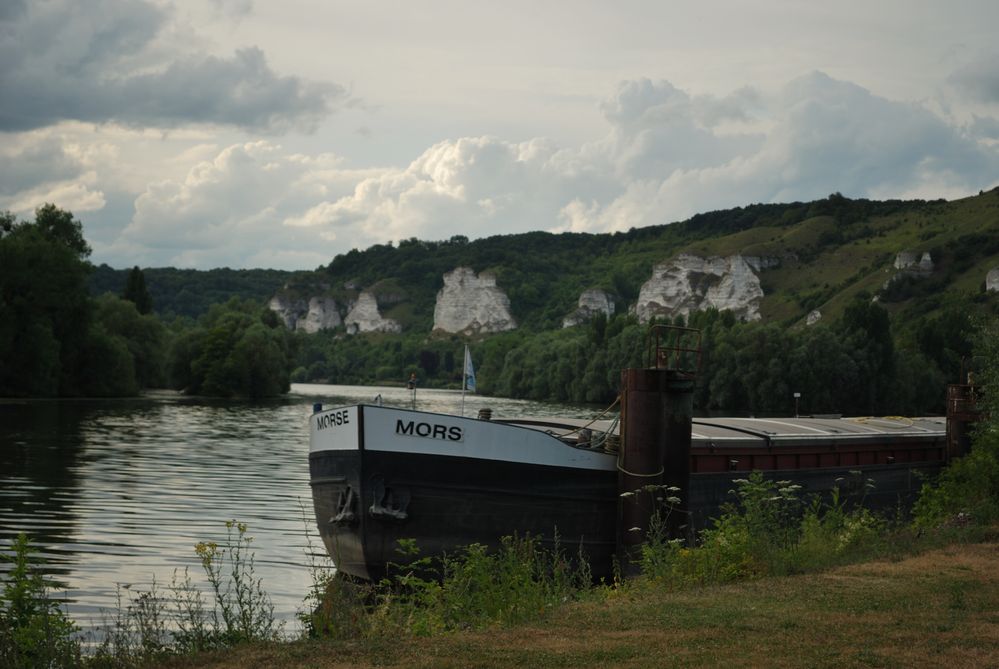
(962, 414)
(656, 410)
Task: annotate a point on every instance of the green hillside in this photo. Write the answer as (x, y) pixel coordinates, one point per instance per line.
(829, 251)
(886, 342)
(190, 292)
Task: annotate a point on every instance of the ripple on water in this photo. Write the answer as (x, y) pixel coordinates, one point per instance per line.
(119, 492)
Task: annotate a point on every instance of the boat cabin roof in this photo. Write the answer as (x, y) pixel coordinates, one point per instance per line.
(718, 431)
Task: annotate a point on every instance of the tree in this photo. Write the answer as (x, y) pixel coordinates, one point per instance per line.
(144, 337)
(136, 292)
(44, 311)
(60, 226)
(236, 350)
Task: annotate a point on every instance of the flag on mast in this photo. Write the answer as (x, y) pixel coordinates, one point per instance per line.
(469, 371)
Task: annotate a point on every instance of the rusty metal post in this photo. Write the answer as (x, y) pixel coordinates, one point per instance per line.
(962, 413)
(678, 421)
(656, 418)
(641, 464)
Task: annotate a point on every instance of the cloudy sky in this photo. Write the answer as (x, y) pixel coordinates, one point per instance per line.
(266, 133)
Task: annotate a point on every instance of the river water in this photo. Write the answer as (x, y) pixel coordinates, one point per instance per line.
(118, 492)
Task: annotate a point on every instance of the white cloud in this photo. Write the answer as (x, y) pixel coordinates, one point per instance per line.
(115, 61)
(666, 155)
(824, 135)
(228, 210)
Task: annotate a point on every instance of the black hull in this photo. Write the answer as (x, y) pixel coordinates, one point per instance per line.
(367, 501)
(445, 503)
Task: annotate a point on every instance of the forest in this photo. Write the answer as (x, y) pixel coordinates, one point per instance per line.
(851, 367)
(57, 340)
(68, 328)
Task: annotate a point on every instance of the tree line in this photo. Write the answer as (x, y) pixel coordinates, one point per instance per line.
(856, 365)
(56, 340)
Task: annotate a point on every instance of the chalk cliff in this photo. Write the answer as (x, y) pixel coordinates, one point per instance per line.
(472, 304)
(365, 317)
(690, 283)
(907, 265)
(906, 260)
(591, 302)
(318, 313)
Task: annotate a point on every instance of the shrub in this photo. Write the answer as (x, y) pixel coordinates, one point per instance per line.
(474, 588)
(34, 630)
(769, 531)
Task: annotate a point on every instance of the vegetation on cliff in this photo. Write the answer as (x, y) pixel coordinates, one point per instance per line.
(833, 254)
(887, 341)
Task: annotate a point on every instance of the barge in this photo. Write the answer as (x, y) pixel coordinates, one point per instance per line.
(382, 474)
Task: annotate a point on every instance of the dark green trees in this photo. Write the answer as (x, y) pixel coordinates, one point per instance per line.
(237, 349)
(136, 291)
(54, 339)
(44, 306)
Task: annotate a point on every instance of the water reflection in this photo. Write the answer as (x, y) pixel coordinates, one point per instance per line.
(119, 491)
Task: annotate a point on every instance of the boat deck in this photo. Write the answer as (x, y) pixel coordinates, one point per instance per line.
(745, 444)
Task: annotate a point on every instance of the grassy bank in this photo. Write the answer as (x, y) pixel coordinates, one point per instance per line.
(778, 581)
(940, 608)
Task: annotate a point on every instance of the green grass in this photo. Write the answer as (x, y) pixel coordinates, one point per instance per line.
(933, 609)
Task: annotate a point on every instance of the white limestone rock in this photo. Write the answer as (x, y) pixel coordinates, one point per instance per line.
(591, 302)
(365, 317)
(289, 310)
(318, 313)
(992, 280)
(690, 283)
(906, 260)
(323, 314)
(814, 316)
(472, 304)
(907, 265)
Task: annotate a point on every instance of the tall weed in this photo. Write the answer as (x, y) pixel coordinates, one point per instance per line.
(147, 625)
(770, 530)
(967, 492)
(476, 587)
(335, 606)
(34, 630)
(243, 611)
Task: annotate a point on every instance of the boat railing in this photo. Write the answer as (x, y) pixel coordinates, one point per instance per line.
(675, 348)
(962, 401)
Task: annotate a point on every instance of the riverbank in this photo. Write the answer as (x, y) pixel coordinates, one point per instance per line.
(939, 608)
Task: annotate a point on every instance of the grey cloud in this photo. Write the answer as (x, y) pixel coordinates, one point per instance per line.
(987, 127)
(242, 91)
(233, 9)
(839, 134)
(59, 61)
(12, 9)
(25, 167)
(823, 135)
(979, 80)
